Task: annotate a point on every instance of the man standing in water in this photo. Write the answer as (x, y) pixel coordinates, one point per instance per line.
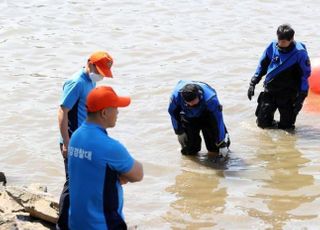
(194, 106)
(286, 64)
(72, 112)
(98, 165)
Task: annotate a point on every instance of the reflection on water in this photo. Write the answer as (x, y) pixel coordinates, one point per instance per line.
(273, 190)
(287, 188)
(272, 177)
(198, 195)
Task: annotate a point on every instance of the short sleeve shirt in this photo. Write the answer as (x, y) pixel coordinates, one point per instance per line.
(74, 96)
(95, 162)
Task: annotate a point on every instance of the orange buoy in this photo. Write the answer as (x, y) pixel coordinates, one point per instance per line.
(314, 79)
(312, 103)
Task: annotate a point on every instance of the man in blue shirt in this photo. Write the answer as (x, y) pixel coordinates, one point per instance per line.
(194, 106)
(286, 64)
(99, 165)
(72, 113)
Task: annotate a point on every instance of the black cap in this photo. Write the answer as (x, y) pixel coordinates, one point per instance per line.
(190, 92)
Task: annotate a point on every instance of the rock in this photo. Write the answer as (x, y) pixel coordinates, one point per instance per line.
(7, 204)
(43, 209)
(132, 227)
(8, 224)
(38, 187)
(38, 204)
(27, 208)
(25, 222)
(22, 221)
(3, 179)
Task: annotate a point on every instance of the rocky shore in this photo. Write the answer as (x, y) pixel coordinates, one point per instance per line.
(26, 208)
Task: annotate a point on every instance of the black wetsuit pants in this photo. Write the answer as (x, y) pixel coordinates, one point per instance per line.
(192, 127)
(64, 202)
(268, 103)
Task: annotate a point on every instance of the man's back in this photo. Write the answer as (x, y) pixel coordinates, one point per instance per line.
(95, 161)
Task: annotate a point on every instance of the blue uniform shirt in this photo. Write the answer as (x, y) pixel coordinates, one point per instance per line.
(273, 63)
(74, 96)
(95, 161)
(209, 101)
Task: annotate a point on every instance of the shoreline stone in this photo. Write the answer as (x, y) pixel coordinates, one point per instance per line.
(3, 179)
(27, 208)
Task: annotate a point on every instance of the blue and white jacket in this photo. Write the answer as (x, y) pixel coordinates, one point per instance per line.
(208, 102)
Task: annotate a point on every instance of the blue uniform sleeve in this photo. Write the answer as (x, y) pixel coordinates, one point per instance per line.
(216, 110)
(71, 94)
(263, 64)
(304, 63)
(174, 111)
(119, 158)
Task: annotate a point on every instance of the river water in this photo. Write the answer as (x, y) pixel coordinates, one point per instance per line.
(272, 178)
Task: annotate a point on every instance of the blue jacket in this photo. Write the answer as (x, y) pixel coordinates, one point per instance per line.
(292, 67)
(208, 102)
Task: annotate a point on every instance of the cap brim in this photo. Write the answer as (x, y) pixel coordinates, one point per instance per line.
(104, 71)
(123, 101)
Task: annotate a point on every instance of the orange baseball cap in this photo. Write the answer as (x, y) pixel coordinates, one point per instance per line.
(103, 62)
(103, 97)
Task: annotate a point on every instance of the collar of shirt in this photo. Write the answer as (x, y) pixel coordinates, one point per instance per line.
(95, 125)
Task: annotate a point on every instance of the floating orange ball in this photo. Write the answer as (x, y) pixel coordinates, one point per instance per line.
(314, 79)
(312, 103)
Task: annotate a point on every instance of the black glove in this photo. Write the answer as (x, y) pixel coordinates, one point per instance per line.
(179, 131)
(297, 106)
(251, 91)
(254, 80)
(183, 138)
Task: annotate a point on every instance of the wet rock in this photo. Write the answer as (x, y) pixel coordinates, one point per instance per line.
(7, 204)
(3, 179)
(29, 208)
(7, 222)
(38, 187)
(26, 222)
(22, 221)
(38, 204)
